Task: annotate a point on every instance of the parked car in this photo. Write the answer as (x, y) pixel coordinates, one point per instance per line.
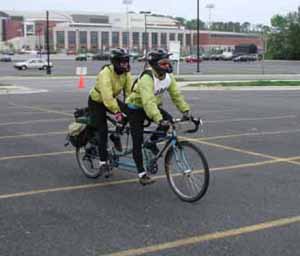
(227, 56)
(192, 59)
(244, 58)
(101, 56)
(134, 55)
(32, 64)
(5, 58)
(71, 52)
(81, 57)
(8, 52)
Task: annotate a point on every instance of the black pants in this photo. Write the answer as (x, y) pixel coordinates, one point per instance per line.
(98, 114)
(136, 119)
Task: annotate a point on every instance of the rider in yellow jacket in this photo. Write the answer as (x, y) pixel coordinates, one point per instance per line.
(145, 101)
(110, 82)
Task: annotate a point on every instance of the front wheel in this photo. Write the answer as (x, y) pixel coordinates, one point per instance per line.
(187, 171)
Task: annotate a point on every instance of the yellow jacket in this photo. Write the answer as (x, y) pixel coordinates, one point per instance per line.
(108, 86)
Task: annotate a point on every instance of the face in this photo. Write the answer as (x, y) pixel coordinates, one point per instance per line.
(124, 64)
(165, 64)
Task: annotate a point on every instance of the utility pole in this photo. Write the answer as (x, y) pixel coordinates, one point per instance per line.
(198, 37)
(48, 44)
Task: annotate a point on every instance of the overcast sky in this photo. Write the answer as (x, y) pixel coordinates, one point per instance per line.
(254, 11)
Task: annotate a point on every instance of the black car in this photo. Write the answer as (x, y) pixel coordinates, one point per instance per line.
(101, 56)
(5, 59)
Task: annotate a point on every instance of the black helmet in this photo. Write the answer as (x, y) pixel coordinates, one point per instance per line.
(120, 60)
(155, 57)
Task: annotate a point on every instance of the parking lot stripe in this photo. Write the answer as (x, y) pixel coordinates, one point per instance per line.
(208, 237)
(249, 119)
(32, 135)
(241, 150)
(4, 158)
(36, 121)
(126, 181)
(249, 134)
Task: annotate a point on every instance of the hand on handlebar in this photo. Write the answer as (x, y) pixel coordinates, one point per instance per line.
(119, 117)
(186, 116)
(164, 125)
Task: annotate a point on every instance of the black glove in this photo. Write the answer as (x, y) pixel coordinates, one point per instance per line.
(164, 125)
(186, 116)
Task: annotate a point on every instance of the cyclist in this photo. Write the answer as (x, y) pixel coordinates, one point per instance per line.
(145, 101)
(110, 82)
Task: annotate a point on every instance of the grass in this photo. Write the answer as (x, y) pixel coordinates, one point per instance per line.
(246, 83)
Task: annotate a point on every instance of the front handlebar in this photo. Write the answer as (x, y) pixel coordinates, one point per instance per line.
(196, 121)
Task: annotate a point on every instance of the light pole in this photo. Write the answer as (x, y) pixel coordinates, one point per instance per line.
(209, 7)
(127, 3)
(47, 43)
(198, 38)
(146, 37)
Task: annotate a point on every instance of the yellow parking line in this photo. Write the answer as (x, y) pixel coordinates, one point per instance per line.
(208, 237)
(240, 150)
(36, 121)
(32, 135)
(111, 183)
(250, 119)
(229, 136)
(4, 158)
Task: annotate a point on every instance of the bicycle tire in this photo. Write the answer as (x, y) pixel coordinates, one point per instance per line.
(189, 173)
(86, 171)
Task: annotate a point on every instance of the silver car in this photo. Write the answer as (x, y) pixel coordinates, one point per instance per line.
(32, 64)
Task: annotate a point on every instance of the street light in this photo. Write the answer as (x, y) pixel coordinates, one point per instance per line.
(48, 45)
(198, 38)
(146, 41)
(127, 3)
(209, 7)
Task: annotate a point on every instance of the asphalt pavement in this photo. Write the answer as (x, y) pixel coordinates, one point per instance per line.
(250, 138)
(68, 68)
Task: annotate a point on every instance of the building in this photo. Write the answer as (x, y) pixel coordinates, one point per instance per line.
(82, 31)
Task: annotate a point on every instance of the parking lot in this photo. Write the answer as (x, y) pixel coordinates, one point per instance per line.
(67, 67)
(250, 138)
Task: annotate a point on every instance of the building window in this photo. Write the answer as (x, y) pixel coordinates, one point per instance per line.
(163, 40)
(154, 40)
(94, 40)
(145, 40)
(83, 39)
(136, 39)
(60, 39)
(188, 40)
(172, 37)
(105, 40)
(72, 39)
(180, 39)
(115, 39)
(29, 29)
(125, 38)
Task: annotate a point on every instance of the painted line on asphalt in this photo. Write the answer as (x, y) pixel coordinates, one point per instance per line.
(32, 135)
(252, 153)
(127, 181)
(46, 110)
(249, 119)
(195, 240)
(229, 136)
(36, 121)
(5, 158)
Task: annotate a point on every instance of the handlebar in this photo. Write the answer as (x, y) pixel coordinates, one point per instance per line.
(196, 121)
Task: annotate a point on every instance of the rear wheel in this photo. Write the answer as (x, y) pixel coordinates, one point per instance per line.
(88, 160)
(187, 171)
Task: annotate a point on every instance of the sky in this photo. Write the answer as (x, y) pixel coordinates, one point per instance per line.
(253, 11)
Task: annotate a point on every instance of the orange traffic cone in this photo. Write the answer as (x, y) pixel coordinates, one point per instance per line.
(81, 82)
